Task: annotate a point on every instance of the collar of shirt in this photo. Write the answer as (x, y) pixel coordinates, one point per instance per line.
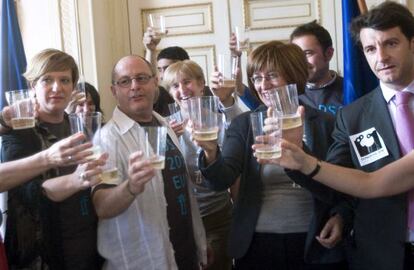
(313, 86)
(389, 93)
(125, 123)
(122, 121)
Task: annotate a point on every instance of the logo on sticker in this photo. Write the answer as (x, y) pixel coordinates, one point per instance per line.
(369, 146)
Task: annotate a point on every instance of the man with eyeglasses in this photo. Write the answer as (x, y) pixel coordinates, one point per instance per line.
(147, 219)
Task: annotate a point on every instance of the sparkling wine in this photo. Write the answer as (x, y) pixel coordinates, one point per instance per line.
(229, 83)
(159, 34)
(291, 121)
(23, 122)
(158, 162)
(271, 152)
(206, 134)
(110, 176)
(96, 153)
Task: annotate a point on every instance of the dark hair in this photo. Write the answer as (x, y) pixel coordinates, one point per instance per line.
(93, 93)
(173, 53)
(288, 60)
(316, 30)
(385, 16)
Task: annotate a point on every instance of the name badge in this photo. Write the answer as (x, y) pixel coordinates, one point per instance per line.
(368, 146)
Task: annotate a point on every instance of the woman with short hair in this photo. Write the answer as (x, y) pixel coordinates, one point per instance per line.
(274, 221)
(51, 222)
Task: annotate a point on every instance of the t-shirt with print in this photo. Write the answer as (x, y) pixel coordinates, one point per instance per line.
(178, 205)
(77, 218)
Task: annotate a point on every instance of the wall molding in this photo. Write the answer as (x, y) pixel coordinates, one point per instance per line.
(266, 14)
(183, 19)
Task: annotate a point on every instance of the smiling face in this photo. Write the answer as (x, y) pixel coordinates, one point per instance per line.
(53, 93)
(137, 99)
(185, 88)
(390, 55)
(318, 59)
(184, 80)
(270, 80)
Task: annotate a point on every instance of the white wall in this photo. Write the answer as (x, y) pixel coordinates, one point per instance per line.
(109, 29)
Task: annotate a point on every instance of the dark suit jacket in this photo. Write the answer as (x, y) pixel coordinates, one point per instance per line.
(379, 226)
(237, 158)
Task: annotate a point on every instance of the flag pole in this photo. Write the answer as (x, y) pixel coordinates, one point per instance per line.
(362, 5)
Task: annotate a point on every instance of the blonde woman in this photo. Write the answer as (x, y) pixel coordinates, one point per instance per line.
(51, 222)
(184, 80)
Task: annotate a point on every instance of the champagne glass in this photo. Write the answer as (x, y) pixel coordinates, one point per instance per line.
(22, 108)
(285, 101)
(88, 123)
(243, 40)
(157, 22)
(228, 73)
(204, 117)
(155, 146)
(267, 140)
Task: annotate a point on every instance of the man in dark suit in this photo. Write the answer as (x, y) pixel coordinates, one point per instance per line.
(365, 138)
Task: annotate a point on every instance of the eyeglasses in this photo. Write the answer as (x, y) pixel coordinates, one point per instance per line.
(142, 79)
(269, 77)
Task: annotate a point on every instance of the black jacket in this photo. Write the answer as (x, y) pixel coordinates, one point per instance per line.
(237, 158)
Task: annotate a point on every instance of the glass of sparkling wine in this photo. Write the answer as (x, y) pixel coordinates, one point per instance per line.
(88, 123)
(175, 113)
(109, 173)
(242, 36)
(155, 146)
(227, 66)
(157, 23)
(267, 139)
(204, 117)
(22, 108)
(285, 101)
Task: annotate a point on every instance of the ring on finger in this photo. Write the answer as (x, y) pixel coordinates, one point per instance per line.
(82, 176)
(70, 158)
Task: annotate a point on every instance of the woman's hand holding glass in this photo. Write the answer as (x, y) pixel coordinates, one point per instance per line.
(223, 92)
(209, 147)
(7, 114)
(88, 174)
(178, 118)
(178, 128)
(68, 151)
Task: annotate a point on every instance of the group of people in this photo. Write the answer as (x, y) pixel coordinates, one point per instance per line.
(215, 205)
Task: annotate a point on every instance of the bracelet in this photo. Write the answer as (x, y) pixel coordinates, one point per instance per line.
(316, 170)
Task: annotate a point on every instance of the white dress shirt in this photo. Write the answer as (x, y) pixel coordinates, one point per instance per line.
(389, 96)
(139, 237)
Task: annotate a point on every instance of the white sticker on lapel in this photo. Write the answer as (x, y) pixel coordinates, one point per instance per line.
(369, 146)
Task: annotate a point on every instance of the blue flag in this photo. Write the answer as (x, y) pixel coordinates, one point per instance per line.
(13, 59)
(358, 77)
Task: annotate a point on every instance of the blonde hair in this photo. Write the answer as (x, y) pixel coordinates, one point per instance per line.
(183, 69)
(288, 60)
(50, 60)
